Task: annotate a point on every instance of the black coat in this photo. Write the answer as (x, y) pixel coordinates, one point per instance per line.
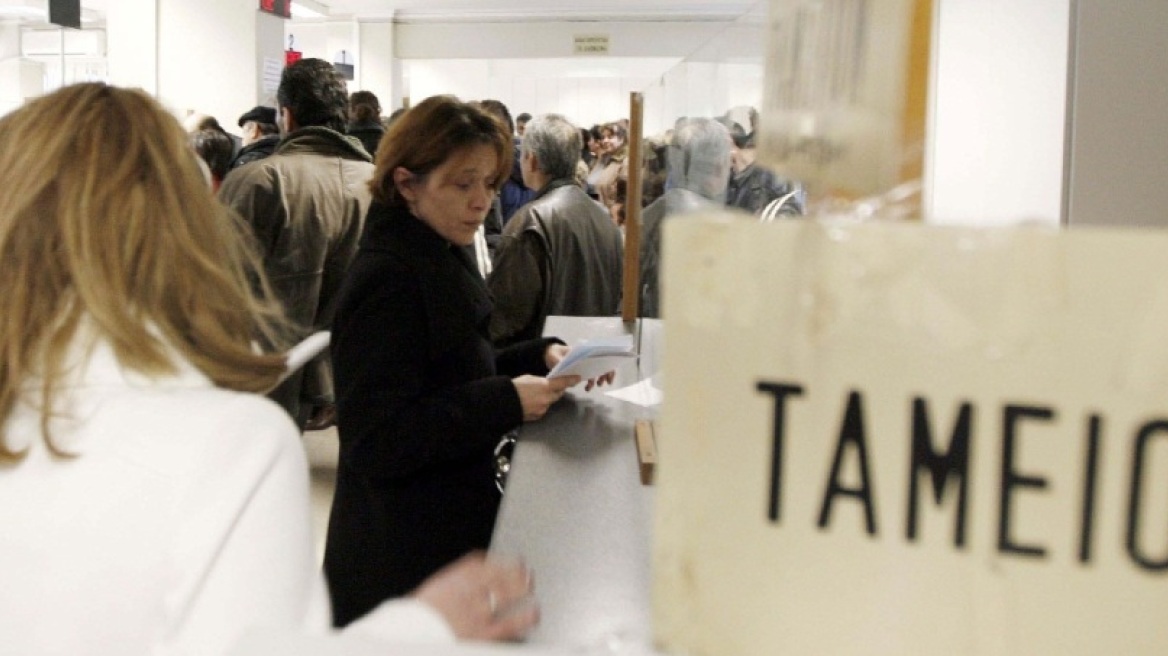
(422, 400)
(255, 150)
(369, 133)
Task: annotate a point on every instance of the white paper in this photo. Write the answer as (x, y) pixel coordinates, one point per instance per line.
(595, 357)
(306, 350)
(642, 393)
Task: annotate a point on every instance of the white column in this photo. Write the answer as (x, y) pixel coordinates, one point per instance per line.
(995, 151)
(132, 43)
(269, 62)
(377, 67)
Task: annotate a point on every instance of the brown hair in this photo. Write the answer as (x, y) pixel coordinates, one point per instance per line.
(428, 134)
(110, 231)
(364, 107)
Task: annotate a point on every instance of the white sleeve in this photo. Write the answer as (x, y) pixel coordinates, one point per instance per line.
(403, 620)
(244, 557)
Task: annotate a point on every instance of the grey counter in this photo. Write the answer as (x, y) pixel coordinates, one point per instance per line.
(575, 508)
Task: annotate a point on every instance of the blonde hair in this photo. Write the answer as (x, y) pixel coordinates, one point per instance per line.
(106, 217)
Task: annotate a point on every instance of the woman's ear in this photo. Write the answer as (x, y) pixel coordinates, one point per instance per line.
(403, 181)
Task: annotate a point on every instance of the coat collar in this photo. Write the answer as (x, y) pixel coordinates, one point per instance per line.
(450, 282)
(318, 140)
(552, 186)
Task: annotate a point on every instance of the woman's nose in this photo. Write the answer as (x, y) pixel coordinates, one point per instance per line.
(484, 197)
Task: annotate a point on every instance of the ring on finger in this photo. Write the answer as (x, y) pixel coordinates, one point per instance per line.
(492, 602)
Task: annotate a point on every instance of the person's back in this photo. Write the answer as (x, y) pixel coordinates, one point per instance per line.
(169, 480)
(144, 494)
(560, 254)
(365, 120)
(699, 163)
(306, 204)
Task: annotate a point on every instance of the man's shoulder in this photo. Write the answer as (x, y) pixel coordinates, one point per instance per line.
(249, 177)
(569, 197)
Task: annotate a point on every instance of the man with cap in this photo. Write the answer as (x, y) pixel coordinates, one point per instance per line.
(260, 135)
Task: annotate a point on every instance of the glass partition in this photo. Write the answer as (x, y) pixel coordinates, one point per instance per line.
(798, 108)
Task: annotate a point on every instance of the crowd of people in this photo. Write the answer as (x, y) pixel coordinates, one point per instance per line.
(157, 273)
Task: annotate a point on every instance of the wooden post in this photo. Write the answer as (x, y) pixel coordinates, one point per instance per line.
(631, 288)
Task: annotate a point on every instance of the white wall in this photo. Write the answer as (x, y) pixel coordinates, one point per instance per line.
(705, 89)
(531, 67)
(1119, 139)
(998, 105)
(585, 90)
(539, 40)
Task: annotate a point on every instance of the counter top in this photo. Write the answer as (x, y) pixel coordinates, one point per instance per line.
(575, 509)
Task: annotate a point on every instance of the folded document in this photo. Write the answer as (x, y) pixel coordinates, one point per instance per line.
(595, 357)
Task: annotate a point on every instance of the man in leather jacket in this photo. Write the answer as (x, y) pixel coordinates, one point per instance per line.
(752, 187)
(560, 254)
(306, 204)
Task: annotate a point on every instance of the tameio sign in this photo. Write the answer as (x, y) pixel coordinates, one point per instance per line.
(947, 470)
(902, 439)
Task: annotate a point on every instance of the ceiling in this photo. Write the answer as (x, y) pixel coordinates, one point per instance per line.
(33, 11)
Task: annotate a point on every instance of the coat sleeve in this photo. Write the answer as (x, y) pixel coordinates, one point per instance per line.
(243, 556)
(396, 414)
(317, 387)
(253, 191)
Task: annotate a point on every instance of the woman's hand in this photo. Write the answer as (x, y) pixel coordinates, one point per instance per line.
(603, 379)
(481, 598)
(537, 394)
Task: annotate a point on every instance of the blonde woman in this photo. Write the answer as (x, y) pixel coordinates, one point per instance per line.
(151, 502)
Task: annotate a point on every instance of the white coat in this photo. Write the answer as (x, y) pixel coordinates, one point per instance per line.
(181, 522)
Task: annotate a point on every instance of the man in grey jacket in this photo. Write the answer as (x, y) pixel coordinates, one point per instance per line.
(560, 254)
(306, 204)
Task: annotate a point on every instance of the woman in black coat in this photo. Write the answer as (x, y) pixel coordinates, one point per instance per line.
(422, 397)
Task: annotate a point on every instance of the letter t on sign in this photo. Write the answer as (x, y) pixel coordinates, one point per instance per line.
(780, 391)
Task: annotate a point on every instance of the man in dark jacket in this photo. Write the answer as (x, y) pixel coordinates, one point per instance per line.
(752, 187)
(260, 135)
(560, 254)
(515, 193)
(306, 204)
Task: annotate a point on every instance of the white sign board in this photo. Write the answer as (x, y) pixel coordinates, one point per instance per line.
(900, 439)
(590, 44)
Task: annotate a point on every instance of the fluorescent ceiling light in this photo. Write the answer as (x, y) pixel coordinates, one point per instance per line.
(309, 9)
